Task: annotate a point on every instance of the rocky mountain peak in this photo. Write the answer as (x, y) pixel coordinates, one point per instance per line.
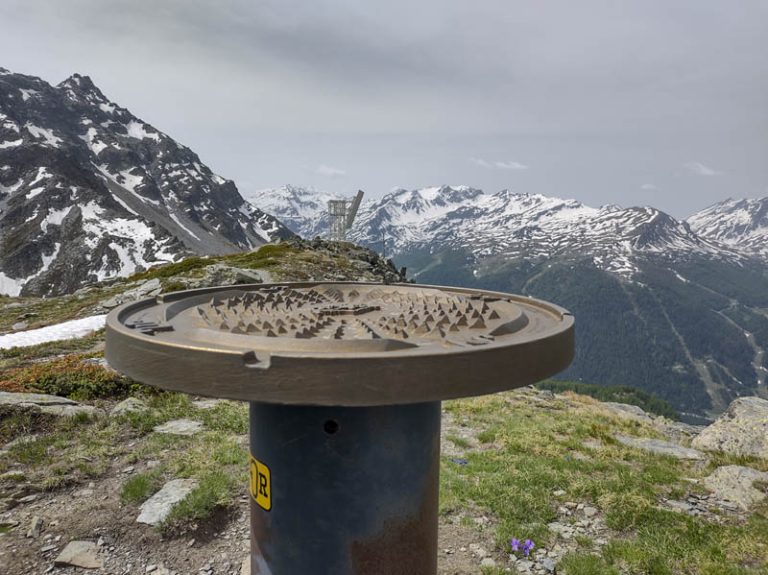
(88, 191)
(740, 223)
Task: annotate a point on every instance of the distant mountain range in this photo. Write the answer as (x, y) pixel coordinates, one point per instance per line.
(88, 191)
(678, 308)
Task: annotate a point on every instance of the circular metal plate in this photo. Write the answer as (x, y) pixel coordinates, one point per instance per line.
(339, 343)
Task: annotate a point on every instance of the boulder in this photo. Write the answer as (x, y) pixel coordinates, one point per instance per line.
(130, 405)
(145, 289)
(47, 404)
(222, 274)
(7, 398)
(741, 430)
(626, 411)
(661, 447)
(71, 410)
(736, 484)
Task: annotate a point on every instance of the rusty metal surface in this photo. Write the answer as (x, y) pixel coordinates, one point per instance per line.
(309, 343)
(358, 497)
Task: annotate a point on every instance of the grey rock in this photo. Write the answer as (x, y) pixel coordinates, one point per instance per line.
(741, 430)
(145, 289)
(627, 411)
(79, 554)
(206, 403)
(112, 302)
(488, 562)
(71, 410)
(679, 506)
(130, 405)
(735, 483)
(590, 511)
(20, 326)
(155, 509)
(180, 427)
(35, 527)
(549, 564)
(7, 398)
(222, 274)
(661, 447)
(678, 430)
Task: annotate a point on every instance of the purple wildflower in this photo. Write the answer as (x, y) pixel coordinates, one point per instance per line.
(528, 547)
(515, 544)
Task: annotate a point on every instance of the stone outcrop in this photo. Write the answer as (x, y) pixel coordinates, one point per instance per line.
(738, 485)
(741, 430)
(45, 404)
(661, 447)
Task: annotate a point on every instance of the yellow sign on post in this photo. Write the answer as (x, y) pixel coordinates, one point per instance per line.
(261, 484)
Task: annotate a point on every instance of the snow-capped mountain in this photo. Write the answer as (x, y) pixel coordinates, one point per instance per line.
(303, 210)
(660, 304)
(529, 226)
(88, 191)
(516, 225)
(742, 224)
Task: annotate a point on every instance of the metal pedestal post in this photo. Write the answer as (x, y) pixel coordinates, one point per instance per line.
(344, 490)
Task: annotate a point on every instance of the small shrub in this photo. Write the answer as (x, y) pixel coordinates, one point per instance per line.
(214, 491)
(139, 487)
(487, 436)
(174, 269)
(617, 393)
(265, 256)
(172, 286)
(458, 441)
(68, 376)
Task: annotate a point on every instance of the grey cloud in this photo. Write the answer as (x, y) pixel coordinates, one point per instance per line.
(599, 97)
(498, 165)
(702, 170)
(329, 171)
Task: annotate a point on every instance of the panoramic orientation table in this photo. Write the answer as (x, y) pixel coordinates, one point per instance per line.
(344, 382)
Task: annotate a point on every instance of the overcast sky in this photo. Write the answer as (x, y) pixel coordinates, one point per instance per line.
(649, 102)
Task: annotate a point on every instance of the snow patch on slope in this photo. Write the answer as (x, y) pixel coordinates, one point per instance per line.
(67, 330)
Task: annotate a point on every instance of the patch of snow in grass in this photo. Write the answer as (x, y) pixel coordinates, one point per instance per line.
(10, 286)
(67, 330)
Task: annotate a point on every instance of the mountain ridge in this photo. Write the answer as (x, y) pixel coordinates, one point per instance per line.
(89, 191)
(690, 310)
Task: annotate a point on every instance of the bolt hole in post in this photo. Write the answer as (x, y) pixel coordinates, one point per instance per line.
(331, 426)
